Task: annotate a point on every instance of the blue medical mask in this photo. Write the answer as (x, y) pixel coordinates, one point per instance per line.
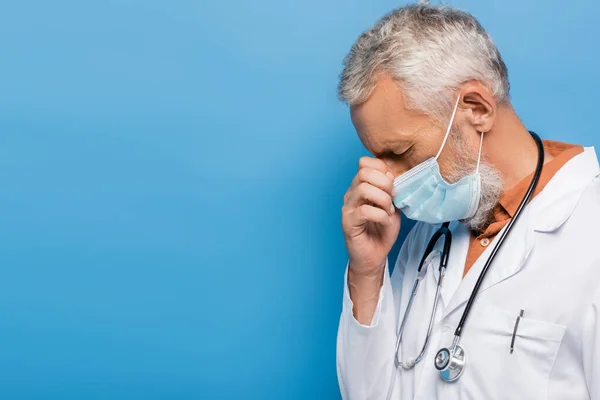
(423, 195)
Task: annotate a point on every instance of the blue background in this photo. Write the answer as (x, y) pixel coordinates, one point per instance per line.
(172, 174)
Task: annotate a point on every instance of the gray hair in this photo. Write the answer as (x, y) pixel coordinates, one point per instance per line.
(429, 51)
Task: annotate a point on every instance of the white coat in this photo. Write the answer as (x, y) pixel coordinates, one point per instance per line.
(549, 266)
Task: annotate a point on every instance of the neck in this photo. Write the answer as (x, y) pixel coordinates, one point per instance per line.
(510, 147)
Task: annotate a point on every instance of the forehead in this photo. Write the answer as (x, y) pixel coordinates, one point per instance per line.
(381, 119)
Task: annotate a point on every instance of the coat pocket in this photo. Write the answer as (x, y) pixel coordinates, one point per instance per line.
(492, 371)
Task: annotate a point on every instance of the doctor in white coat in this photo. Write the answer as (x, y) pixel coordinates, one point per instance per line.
(429, 97)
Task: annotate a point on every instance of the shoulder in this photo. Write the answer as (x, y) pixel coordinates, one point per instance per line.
(586, 213)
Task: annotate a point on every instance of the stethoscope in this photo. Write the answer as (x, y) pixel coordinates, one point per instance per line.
(451, 361)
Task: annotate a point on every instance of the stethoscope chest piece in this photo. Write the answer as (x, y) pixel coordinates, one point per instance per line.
(451, 364)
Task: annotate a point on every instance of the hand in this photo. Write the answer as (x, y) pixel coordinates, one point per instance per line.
(369, 220)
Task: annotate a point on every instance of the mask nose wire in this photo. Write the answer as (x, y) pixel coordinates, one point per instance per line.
(449, 128)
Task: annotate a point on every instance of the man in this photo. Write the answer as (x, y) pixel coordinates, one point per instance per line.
(427, 88)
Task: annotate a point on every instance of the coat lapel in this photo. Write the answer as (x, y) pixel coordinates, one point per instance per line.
(508, 261)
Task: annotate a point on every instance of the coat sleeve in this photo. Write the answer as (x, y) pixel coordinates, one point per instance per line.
(365, 353)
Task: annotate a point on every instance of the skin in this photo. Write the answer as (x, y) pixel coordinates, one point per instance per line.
(400, 139)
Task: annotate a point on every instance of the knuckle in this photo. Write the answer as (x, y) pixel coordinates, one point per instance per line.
(364, 161)
(362, 187)
(389, 182)
(376, 193)
(363, 174)
(345, 222)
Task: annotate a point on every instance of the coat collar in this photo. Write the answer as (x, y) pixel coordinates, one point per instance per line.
(561, 195)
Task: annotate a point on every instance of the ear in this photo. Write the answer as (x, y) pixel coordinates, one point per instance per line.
(479, 104)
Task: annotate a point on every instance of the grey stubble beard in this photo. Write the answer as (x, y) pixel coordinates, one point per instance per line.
(492, 184)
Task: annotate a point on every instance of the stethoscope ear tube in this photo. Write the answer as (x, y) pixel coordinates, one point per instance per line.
(425, 261)
(428, 256)
(445, 231)
(408, 364)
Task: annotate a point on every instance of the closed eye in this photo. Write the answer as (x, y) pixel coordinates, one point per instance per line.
(406, 152)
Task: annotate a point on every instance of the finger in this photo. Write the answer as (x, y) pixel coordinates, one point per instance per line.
(374, 163)
(368, 194)
(368, 213)
(377, 179)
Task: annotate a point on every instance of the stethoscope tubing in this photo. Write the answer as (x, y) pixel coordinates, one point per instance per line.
(524, 201)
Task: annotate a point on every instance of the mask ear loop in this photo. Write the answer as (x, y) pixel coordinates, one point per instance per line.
(449, 129)
(479, 156)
